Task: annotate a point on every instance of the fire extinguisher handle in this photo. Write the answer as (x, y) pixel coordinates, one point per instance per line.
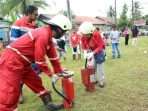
(66, 74)
(86, 63)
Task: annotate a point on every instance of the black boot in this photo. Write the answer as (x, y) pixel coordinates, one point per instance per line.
(47, 100)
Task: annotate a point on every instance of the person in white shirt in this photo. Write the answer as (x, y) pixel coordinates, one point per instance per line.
(115, 39)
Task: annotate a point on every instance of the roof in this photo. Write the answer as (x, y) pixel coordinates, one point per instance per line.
(140, 22)
(106, 20)
(94, 20)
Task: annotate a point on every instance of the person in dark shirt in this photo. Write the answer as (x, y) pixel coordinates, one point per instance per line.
(135, 33)
(61, 47)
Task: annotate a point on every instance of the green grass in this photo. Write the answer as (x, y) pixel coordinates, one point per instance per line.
(126, 78)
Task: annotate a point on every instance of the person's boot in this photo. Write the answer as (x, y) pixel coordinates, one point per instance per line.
(101, 84)
(74, 56)
(64, 58)
(118, 56)
(47, 100)
(79, 56)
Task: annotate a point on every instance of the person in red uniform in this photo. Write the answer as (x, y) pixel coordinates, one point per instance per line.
(15, 63)
(22, 26)
(75, 43)
(93, 46)
(25, 23)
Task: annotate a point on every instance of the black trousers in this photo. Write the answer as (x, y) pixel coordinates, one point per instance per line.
(126, 39)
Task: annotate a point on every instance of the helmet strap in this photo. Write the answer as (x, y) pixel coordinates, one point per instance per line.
(59, 31)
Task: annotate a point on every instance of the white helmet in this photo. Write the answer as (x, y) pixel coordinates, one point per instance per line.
(86, 28)
(61, 21)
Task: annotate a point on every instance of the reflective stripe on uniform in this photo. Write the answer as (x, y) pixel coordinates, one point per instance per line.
(15, 27)
(26, 29)
(13, 39)
(42, 92)
(40, 62)
(55, 58)
(30, 35)
(19, 53)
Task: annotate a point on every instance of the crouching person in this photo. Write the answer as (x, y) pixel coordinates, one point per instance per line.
(93, 46)
(15, 63)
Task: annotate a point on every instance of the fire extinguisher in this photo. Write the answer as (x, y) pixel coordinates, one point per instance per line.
(68, 89)
(88, 78)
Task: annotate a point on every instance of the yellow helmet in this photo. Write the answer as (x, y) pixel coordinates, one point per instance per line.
(61, 21)
(86, 28)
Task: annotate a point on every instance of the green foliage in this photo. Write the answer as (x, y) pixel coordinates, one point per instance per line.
(14, 8)
(147, 22)
(123, 20)
(111, 12)
(66, 13)
(137, 11)
(146, 18)
(126, 83)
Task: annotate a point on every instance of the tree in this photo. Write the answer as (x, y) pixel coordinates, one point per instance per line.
(146, 19)
(123, 20)
(66, 13)
(136, 10)
(14, 8)
(111, 13)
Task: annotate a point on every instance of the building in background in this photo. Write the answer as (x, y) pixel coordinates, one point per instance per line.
(103, 23)
(142, 26)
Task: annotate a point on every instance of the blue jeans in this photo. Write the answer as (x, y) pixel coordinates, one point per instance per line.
(115, 49)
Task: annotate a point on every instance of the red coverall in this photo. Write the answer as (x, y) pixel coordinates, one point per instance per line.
(20, 27)
(15, 65)
(95, 43)
(75, 40)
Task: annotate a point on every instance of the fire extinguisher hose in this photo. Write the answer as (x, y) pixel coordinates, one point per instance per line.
(60, 93)
(65, 74)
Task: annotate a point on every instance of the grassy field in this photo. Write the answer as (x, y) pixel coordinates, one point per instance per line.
(126, 89)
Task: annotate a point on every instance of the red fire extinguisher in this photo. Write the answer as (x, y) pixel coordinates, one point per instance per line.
(68, 89)
(88, 77)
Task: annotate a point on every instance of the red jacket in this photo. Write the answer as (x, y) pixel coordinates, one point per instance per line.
(24, 22)
(75, 40)
(20, 27)
(95, 43)
(35, 45)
